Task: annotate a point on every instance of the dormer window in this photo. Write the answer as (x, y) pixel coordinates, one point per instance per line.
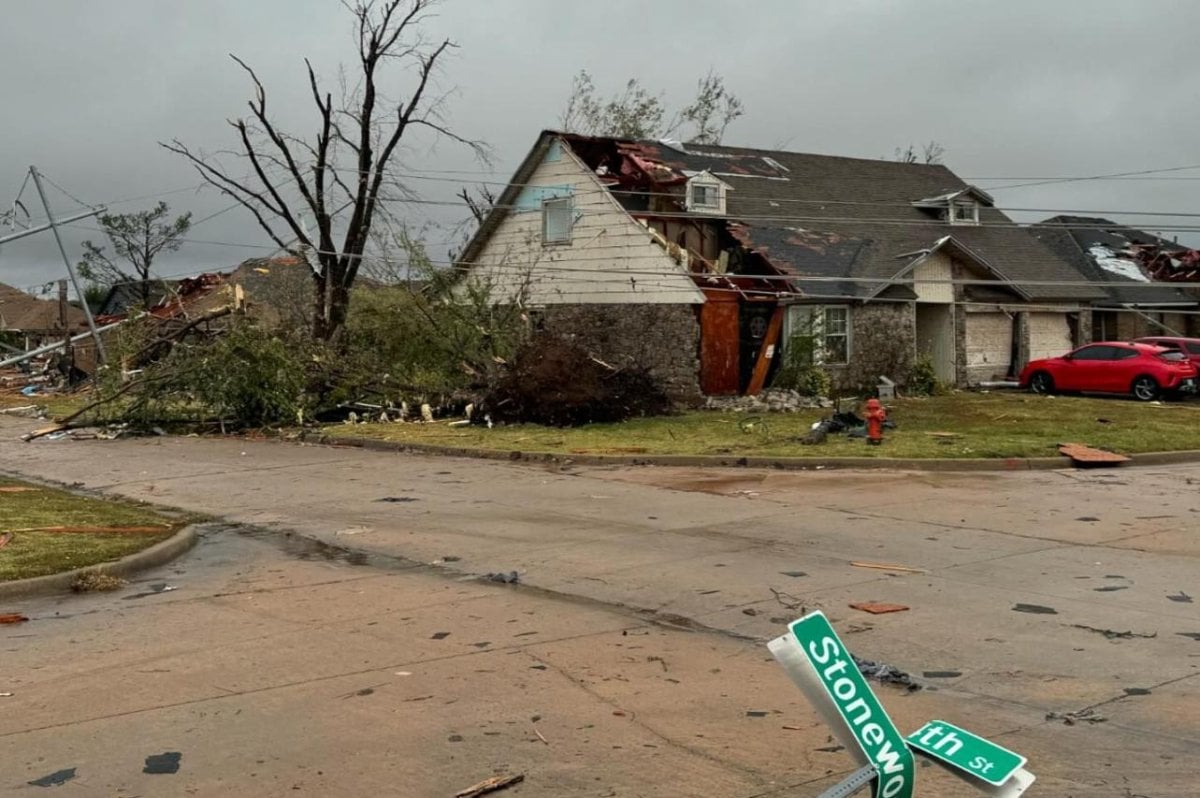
(705, 194)
(964, 212)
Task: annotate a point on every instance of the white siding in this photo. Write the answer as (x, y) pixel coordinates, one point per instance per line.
(935, 267)
(611, 259)
(989, 346)
(1049, 335)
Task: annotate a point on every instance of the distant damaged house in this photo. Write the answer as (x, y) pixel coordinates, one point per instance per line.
(704, 262)
(35, 320)
(1135, 269)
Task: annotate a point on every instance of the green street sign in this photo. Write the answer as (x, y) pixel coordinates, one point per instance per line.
(820, 666)
(966, 752)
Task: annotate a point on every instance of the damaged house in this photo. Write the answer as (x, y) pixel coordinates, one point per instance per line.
(704, 262)
(1135, 270)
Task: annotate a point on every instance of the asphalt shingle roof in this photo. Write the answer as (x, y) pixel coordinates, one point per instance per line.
(779, 194)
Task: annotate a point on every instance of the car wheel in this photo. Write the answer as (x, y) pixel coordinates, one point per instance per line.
(1041, 382)
(1145, 389)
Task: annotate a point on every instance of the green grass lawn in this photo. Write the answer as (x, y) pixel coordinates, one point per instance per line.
(34, 551)
(983, 425)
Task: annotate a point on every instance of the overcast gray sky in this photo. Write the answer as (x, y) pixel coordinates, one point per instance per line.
(1014, 89)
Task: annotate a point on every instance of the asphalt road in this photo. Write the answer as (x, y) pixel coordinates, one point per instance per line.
(1031, 593)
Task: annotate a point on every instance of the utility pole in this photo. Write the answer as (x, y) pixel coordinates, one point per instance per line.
(87, 311)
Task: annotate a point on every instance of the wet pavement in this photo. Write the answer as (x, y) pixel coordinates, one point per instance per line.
(705, 564)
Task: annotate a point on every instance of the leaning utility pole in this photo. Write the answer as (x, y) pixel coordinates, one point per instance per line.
(87, 311)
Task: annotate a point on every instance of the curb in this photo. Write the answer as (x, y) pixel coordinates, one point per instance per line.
(778, 463)
(160, 553)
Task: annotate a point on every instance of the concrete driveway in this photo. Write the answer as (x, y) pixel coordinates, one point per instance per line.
(1030, 593)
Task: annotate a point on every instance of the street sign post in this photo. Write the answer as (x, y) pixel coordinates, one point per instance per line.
(824, 670)
(821, 667)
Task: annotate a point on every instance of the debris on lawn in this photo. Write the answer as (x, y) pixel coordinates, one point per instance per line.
(1088, 715)
(1035, 609)
(12, 617)
(5, 539)
(554, 382)
(164, 764)
(1082, 454)
(878, 607)
(494, 784)
(838, 422)
(884, 566)
(885, 674)
(17, 489)
(1180, 597)
(1115, 635)
(97, 581)
(55, 779)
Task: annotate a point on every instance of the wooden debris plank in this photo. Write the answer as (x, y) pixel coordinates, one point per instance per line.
(1082, 453)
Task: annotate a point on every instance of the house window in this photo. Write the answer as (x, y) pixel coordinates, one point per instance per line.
(964, 213)
(822, 330)
(558, 217)
(704, 196)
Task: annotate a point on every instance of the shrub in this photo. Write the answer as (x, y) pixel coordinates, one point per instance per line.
(799, 371)
(923, 379)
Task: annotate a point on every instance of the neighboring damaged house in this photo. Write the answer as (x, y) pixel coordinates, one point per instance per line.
(37, 320)
(1135, 268)
(703, 261)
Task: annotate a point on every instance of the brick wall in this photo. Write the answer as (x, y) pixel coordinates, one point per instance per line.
(663, 338)
(882, 342)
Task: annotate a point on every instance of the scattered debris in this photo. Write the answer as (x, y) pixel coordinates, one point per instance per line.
(494, 784)
(440, 635)
(1180, 597)
(941, 674)
(1137, 691)
(1088, 518)
(510, 578)
(878, 607)
(831, 749)
(164, 764)
(756, 713)
(885, 674)
(97, 581)
(1114, 635)
(12, 617)
(1035, 609)
(397, 499)
(1110, 588)
(750, 611)
(788, 601)
(17, 489)
(6, 695)
(55, 779)
(539, 736)
(793, 574)
(883, 566)
(161, 587)
(1082, 454)
(1193, 635)
(1088, 715)
(5, 539)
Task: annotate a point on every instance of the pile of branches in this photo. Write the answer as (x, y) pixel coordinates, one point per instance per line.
(556, 383)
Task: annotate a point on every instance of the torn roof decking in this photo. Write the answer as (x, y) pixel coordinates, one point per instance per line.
(1086, 241)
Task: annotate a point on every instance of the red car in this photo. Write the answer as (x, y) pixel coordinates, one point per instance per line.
(1189, 346)
(1144, 370)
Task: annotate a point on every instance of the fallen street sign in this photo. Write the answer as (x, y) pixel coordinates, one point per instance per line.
(972, 756)
(821, 667)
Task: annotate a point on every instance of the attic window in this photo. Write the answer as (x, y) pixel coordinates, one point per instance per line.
(558, 217)
(705, 196)
(964, 212)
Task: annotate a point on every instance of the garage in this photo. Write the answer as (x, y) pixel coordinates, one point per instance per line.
(989, 346)
(1049, 335)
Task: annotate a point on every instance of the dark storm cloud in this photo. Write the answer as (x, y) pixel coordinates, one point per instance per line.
(1015, 89)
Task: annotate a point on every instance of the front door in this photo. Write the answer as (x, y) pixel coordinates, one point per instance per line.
(935, 337)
